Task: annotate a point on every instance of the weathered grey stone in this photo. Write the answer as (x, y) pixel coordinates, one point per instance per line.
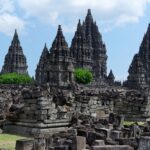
(112, 147)
(1, 131)
(24, 144)
(144, 143)
(116, 135)
(99, 142)
(81, 142)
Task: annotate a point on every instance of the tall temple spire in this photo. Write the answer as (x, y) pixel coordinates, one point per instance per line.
(89, 16)
(149, 27)
(59, 32)
(89, 11)
(56, 67)
(15, 38)
(87, 51)
(15, 60)
(88, 48)
(79, 25)
(59, 41)
(44, 58)
(45, 53)
(139, 70)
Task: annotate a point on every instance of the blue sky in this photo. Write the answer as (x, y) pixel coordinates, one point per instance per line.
(122, 24)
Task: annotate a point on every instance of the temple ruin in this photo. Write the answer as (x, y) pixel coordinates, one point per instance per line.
(63, 115)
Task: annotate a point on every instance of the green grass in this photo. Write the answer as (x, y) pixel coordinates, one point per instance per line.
(129, 123)
(8, 141)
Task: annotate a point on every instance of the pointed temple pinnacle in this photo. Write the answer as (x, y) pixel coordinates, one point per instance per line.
(15, 31)
(45, 50)
(59, 32)
(15, 34)
(89, 12)
(15, 38)
(89, 17)
(45, 46)
(79, 24)
(149, 27)
(59, 28)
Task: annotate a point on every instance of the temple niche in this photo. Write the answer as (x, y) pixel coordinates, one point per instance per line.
(15, 60)
(139, 70)
(87, 50)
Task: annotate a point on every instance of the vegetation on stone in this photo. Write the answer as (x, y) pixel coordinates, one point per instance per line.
(129, 123)
(15, 78)
(83, 76)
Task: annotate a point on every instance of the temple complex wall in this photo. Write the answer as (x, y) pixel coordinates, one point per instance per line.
(39, 109)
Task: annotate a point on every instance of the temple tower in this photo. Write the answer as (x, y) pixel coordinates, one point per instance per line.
(88, 48)
(111, 78)
(139, 70)
(58, 66)
(41, 67)
(80, 50)
(15, 60)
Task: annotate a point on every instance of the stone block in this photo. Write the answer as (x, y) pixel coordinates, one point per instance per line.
(52, 111)
(116, 135)
(81, 142)
(63, 147)
(1, 131)
(24, 144)
(43, 103)
(112, 147)
(104, 131)
(41, 117)
(72, 131)
(42, 99)
(41, 112)
(99, 142)
(36, 94)
(144, 143)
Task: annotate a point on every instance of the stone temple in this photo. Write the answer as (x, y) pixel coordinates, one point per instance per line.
(61, 114)
(87, 50)
(139, 70)
(15, 60)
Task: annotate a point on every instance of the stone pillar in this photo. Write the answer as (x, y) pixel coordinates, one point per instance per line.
(24, 144)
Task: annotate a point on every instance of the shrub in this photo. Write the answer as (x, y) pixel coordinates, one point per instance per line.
(83, 76)
(15, 78)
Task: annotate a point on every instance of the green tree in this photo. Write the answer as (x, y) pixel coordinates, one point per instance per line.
(83, 76)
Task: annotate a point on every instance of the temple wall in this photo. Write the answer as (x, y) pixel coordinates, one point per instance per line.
(10, 94)
(38, 107)
(134, 104)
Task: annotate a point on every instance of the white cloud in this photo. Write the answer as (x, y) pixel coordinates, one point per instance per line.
(6, 6)
(118, 12)
(8, 23)
(8, 18)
